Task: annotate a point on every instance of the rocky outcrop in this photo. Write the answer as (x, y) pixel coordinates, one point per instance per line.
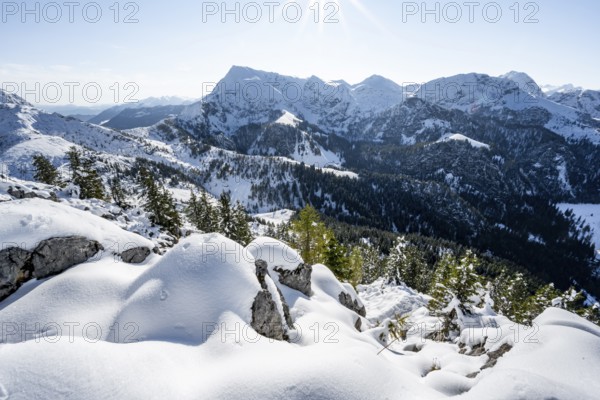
(493, 357)
(54, 256)
(266, 319)
(19, 193)
(347, 301)
(15, 269)
(298, 279)
(50, 257)
(136, 255)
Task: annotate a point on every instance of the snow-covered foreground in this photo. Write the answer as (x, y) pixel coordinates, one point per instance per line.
(181, 326)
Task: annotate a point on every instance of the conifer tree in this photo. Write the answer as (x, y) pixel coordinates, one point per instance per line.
(74, 157)
(455, 290)
(209, 220)
(193, 211)
(226, 221)
(335, 258)
(311, 236)
(118, 193)
(84, 175)
(355, 265)
(373, 263)
(510, 294)
(241, 230)
(159, 203)
(90, 182)
(45, 172)
(406, 264)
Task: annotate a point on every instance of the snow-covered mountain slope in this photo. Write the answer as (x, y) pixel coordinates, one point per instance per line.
(26, 131)
(462, 138)
(587, 101)
(478, 93)
(247, 96)
(157, 105)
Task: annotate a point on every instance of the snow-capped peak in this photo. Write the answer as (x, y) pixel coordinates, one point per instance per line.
(10, 98)
(525, 82)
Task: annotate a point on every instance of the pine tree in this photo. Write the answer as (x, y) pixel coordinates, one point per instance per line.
(455, 291)
(241, 230)
(90, 182)
(355, 265)
(159, 203)
(118, 193)
(84, 175)
(226, 221)
(406, 264)
(74, 157)
(545, 297)
(169, 216)
(373, 263)
(209, 220)
(45, 172)
(335, 258)
(510, 294)
(193, 211)
(311, 236)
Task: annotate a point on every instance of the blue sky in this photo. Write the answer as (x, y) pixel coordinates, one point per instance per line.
(174, 47)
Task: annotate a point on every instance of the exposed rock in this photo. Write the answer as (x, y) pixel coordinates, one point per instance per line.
(19, 193)
(262, 270)
(493, 358)
(495, 355)
(109, 217)
(15, 269)
(266, 319)
(298, 279)
(354, 305)
(358, 325)
(54, 256)
(136, 255)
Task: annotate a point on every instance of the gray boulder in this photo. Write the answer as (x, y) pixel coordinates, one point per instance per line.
(298, 279)
(54, 256)
(15, 269)
(354, 305)
(19, 193)
(266, 319)
(136, 255)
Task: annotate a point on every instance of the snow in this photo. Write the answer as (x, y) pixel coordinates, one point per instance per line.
(462, 138)
(178, 326)
(275, 253)
(174, 299)
(276, 217)
(288, 119)
(551, 361)
(28, 222)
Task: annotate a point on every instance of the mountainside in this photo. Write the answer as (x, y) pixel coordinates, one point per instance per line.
(458, 201)
(143, 113)
(482, 171)
(586, 101)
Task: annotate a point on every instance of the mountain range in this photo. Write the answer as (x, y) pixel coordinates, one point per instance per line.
(472, 158)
